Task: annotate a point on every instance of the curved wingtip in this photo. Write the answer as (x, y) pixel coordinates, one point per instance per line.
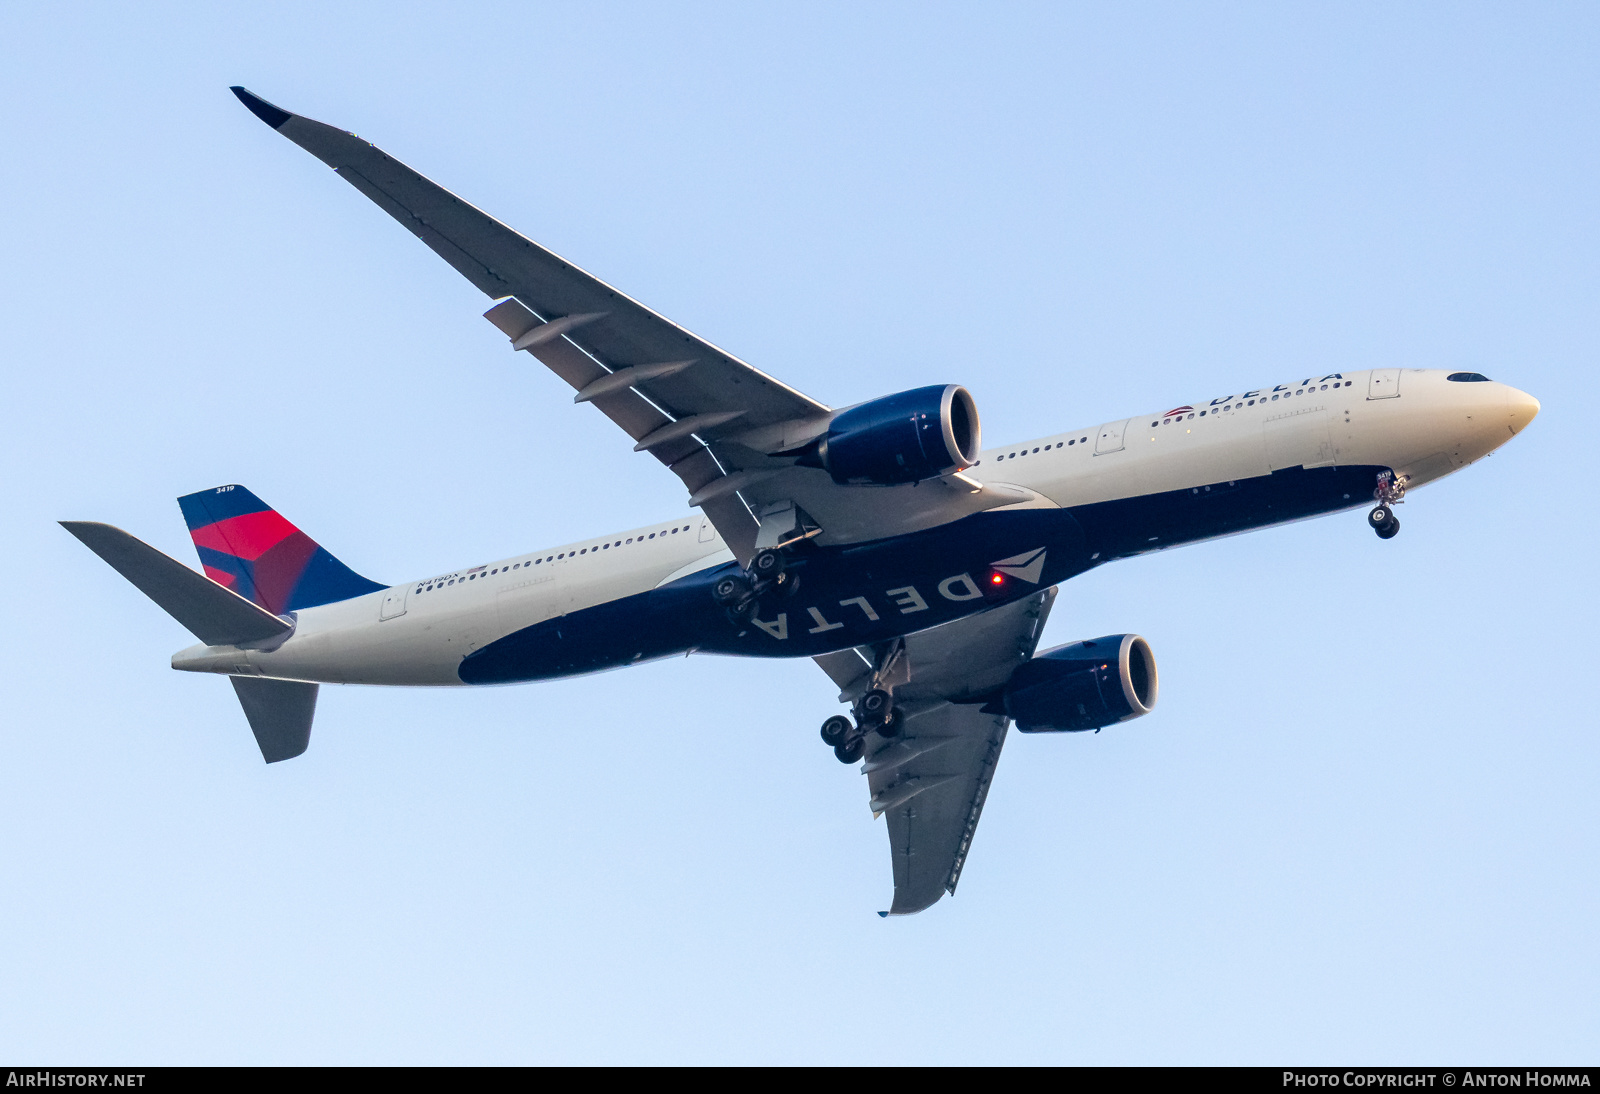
(272, 115)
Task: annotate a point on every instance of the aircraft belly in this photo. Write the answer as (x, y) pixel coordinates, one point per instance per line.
(1130, 526)
(846, 596)
(378, 653)
(872, 592)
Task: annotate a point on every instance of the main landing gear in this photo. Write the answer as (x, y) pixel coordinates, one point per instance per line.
(844, 737)
(875, 710)
(766, 576)
(1389, 493)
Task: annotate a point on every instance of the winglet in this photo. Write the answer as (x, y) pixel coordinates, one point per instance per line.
(272, 115)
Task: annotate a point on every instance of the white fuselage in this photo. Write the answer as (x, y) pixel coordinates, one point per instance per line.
(1413, 421)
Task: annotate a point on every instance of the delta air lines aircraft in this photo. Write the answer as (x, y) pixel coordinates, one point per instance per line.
(913, 565)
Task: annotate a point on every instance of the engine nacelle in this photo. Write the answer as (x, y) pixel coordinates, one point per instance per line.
(1083, 685)
(915, 435)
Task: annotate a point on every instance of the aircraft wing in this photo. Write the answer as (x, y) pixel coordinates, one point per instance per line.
(930, 782)
(712, 419)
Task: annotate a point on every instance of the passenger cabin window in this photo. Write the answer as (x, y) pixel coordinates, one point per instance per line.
(1468, 377)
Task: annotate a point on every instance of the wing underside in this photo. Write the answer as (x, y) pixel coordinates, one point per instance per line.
(719, 424)
(581, 328)
(931, 781)
(723, 428)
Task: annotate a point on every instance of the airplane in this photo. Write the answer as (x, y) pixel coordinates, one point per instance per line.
(914, 566)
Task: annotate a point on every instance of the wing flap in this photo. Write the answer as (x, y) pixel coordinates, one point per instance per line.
(685, 456)
(930, 782)
(933, 814)
(596, 332)
(500, 262)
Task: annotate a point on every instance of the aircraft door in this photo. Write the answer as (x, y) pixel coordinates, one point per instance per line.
(1384, 383)
(707, 532)
(1110, 439)
(394, 602)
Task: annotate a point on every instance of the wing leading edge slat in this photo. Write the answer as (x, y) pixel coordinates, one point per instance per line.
(501, 262)
(594, 330)
(590, 332)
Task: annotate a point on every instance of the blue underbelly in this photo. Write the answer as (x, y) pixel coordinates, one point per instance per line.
(865, 593)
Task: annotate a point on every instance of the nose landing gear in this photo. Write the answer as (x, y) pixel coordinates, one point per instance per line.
(1389, 493)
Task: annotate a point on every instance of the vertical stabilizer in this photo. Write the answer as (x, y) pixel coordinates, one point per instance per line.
(249, 547)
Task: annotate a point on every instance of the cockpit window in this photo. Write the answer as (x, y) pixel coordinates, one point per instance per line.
(1468, 377)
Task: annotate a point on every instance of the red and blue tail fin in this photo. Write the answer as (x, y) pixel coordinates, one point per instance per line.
(249, 547)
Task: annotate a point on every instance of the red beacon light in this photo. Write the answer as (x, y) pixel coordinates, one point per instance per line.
(997, 579)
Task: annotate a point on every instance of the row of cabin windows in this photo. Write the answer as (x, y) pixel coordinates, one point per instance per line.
(1249, 402)
(430, 586)
(1046, 448)
(1179, 418)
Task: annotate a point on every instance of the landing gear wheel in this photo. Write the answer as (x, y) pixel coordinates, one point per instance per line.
(739, 614)
(730, 590)
(836, 730)
(849, 752)
(1379, 517)
(875, 708)
(894, 725)
(787, 584)
(1390, 530)
(767, 564)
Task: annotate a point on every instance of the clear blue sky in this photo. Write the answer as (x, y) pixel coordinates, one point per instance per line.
(1362, 824)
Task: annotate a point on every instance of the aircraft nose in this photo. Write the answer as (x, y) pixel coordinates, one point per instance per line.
(1524, 408)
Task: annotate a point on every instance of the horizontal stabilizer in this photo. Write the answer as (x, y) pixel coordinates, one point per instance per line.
(213, 614)
(280, 713)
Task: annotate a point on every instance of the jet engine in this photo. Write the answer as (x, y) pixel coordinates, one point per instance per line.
(915, 435)
(1083, 685)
